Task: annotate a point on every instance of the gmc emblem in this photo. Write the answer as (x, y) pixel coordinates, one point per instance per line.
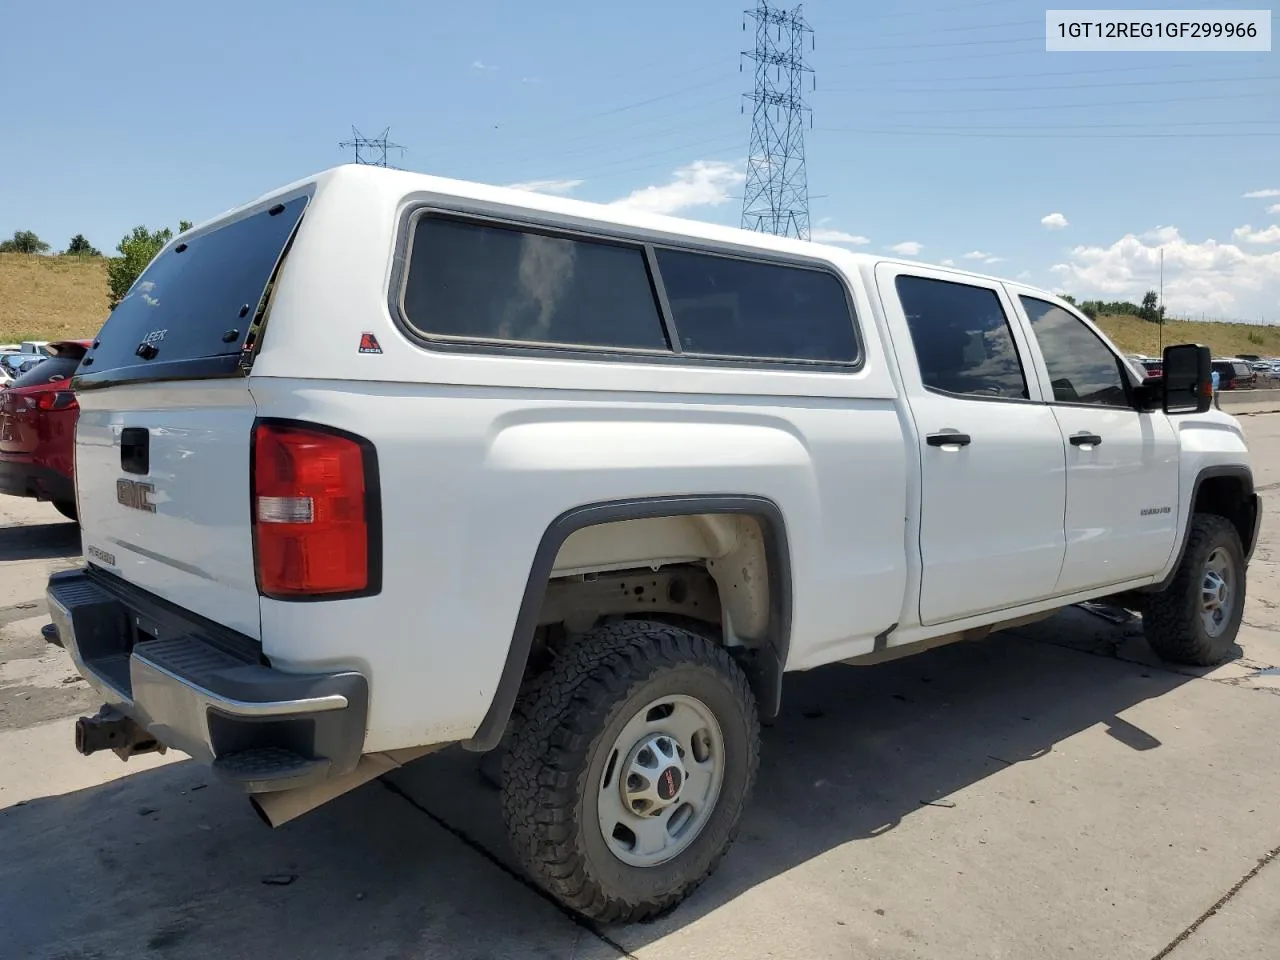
(135, 494)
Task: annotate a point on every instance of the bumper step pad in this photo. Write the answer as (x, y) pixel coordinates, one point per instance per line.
(264, 769)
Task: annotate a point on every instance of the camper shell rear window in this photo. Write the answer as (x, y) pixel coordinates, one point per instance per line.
(190, 313)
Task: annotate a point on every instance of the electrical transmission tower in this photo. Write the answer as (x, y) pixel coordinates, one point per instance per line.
(370, 150)
(776, 198)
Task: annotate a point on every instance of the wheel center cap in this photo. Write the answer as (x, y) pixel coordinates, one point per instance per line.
(653, 776)
(669, 783)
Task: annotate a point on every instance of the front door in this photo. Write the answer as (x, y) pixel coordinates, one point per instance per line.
(1122, 464)
(992, 473)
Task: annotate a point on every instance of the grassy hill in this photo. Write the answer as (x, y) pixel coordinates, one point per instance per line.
(51, 298)
(1134, 335)
(48, 298)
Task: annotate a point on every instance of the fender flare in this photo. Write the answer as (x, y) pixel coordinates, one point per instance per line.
(764, 668)
(1240, 472)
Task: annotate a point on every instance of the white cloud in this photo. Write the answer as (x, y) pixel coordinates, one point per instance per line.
(975, 255)
(827, 235)
(555, 187)
(1024, 275)
(994, 260)
(1249, 235)
(1274, 208)
(1261, 194)
(530, 80)
(948, 263)
(481, 65)
(1055, 221)
(908, 248)
(703, 183)
(1220, 279)
(1162, 235)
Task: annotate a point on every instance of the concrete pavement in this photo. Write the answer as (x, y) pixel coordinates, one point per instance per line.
(1050, 792)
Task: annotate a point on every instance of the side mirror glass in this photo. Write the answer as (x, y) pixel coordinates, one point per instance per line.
(1188, 379)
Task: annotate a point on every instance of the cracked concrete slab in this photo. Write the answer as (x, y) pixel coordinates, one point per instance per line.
(1244, 927)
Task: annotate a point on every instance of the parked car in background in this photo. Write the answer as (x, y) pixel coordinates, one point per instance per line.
(1149, 366)
(37, 428)
(15, 364)
(1234, 374)
(40, 347)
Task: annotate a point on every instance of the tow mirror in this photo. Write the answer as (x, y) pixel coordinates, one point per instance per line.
(1188, 379)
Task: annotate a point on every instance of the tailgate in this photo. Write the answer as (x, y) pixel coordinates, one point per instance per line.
(162, 476)
(166, 417)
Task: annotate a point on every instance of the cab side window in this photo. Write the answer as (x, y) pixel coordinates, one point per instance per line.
(962, 339)
(1081, 368)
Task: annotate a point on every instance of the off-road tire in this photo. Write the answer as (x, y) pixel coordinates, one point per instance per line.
(1171, 619)
(552, 769)
(67, 508)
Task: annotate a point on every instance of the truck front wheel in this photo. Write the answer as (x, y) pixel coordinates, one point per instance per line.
(1195, 619)
(628, 772)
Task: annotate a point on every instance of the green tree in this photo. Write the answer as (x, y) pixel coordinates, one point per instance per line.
(1150, 310)
(1068, 297)
(24, 241)
(137, 249)
(81, 247)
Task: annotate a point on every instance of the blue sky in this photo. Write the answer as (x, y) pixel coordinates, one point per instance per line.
(936, 123)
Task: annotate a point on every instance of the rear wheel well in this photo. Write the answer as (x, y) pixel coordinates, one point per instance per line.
(718, 566)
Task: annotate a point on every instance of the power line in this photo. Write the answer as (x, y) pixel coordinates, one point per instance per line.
(1018, 135)
(621, 108)
(711, 142)
(1066, 73)
(776, 196)
(961, 29)
(876, 18)
(1071, 86)
(610, 144)
(1077, 126)
(1093, 103)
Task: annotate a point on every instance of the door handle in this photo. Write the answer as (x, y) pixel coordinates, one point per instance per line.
(1085, 440)
(948, 439)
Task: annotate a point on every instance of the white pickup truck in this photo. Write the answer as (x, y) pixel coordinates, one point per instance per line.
(383, 462)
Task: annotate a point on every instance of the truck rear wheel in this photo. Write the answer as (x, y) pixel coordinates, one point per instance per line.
(1195, 619)
(628, 772)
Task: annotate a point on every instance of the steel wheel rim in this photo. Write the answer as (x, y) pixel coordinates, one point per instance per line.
(1217, 592)
(661, 780)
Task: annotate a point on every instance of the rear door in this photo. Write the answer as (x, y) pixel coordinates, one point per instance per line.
(163, 440)
(1122, 464)
(993, 482)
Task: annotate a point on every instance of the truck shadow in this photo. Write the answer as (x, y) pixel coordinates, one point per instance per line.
(154, 861)
(40, 541)
(858, 750)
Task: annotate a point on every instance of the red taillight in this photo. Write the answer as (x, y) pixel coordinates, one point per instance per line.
(310, 512)
(56, 400)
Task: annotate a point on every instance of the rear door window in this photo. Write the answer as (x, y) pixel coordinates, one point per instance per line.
(962, 339)
(193, 306)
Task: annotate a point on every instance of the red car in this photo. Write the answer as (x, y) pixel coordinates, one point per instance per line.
(38, 427)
